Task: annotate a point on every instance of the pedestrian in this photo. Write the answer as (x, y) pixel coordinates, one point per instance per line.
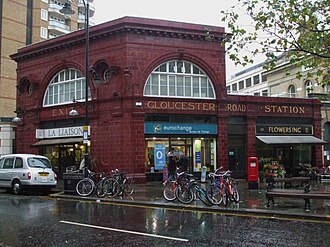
(184, 163)
(171, 168)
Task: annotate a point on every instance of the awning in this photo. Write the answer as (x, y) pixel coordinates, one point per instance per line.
(57, 141)
(291, 140)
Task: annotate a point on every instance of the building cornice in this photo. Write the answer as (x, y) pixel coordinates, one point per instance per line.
(127, 25)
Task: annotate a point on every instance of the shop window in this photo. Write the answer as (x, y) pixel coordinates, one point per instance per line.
(199, 151)
(65, 87)
(204, 154)
(179, 79)
(156, 154)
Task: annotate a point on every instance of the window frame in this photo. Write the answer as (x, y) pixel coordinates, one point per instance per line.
(44, 14)
(43, 32)
(66, 87)
(309, 87)
(179, 79)
(291, 93)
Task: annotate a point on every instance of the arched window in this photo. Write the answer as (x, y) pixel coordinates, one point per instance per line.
(179, 79)
(308, 87)
(66, 86)
(292, 91)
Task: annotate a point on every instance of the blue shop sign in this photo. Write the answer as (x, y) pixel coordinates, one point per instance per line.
(180, 128)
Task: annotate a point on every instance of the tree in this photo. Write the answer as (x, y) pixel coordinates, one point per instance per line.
(298, 28)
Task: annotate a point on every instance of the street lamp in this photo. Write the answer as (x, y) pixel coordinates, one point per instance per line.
(68, 11)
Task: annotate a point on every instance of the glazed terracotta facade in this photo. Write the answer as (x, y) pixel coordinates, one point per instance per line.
(132, 48)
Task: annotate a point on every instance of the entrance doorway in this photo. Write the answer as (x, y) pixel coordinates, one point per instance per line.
(237, 158)
(185, 148)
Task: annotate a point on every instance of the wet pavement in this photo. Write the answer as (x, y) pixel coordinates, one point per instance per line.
(252, 201)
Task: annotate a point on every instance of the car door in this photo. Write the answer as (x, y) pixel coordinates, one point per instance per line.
(6, 171)
(1, 172)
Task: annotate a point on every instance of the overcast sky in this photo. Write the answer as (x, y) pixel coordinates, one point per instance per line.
(199, 12)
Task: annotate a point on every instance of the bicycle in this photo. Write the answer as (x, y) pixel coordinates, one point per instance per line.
(215, 192)
(87, 185)
(118, 184)
(169, 186)
(222, 189)
(186, 194)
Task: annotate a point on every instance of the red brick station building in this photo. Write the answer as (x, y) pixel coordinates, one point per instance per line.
(155, 86)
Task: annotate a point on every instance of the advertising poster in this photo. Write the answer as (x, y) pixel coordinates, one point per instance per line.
(198, 161)
(160, 156)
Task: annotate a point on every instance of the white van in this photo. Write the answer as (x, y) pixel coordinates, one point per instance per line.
(20, 172)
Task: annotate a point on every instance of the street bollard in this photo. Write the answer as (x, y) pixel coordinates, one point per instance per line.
(203, 174)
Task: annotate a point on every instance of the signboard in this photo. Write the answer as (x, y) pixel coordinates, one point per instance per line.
(180, 128)
(61, 132)
(160, 156)
(284, 129)
(85, 134)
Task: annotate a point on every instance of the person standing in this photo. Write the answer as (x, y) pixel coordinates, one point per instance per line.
(171, 168)
(184, 163)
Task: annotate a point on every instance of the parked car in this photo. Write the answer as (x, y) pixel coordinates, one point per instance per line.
(20, 172)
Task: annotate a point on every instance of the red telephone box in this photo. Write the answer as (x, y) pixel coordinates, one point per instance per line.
(253, 176)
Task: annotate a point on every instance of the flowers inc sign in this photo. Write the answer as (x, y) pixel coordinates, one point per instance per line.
(60, 132)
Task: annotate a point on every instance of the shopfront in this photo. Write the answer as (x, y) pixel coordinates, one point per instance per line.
(287, 142)
(63, 146)
(192, 138)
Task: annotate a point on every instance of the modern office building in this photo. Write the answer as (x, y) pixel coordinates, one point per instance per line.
(24, 22)
(155, 86)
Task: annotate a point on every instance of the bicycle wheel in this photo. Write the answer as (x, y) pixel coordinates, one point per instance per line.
(184, 194)
(85, 187)
(102, 188)
(169, 191)
(128, 186)
(201, 194)
(225, 198)
(235, 194)
(112, 187)
(214, 194)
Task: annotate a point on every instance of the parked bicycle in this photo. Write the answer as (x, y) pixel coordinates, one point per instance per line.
(222, 188)
(118, 183)
(187, 193)
(169, 185)
(93, 181)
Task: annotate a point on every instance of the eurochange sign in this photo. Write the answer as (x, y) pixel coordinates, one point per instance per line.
(180, 128)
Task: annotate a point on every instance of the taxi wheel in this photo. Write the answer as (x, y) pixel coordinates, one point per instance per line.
(17, 187)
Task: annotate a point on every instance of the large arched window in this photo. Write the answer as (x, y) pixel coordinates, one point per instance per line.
(66, 86)
(179, 79)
